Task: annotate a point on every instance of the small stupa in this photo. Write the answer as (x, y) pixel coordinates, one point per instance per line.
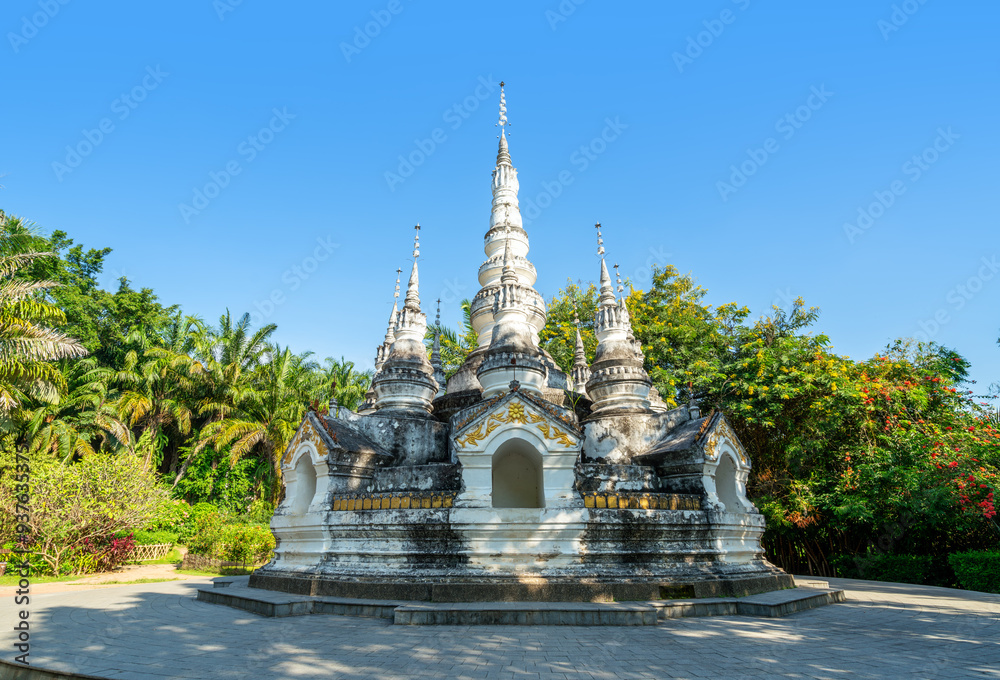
(512, 480)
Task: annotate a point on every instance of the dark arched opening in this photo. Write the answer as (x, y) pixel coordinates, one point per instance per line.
(517, 476)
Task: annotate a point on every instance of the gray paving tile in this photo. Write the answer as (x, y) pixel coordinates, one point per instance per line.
(159, 631)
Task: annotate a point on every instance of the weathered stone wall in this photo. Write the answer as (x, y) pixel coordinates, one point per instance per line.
(412, 441)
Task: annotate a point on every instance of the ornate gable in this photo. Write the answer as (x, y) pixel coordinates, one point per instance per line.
(553, 425)
(309, 431)
(719, 435)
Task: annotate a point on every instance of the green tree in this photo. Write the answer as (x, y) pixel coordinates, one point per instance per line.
(342, 380)
(84, 421)
(456, 345)
(264, 417)
(28, 343)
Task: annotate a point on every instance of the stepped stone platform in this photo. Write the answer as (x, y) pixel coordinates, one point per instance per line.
(237, 593)
(520, 589)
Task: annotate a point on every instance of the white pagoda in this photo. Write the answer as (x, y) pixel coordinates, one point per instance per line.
(513, 480)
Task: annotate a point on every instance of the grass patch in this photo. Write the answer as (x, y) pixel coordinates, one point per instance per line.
(228, 571)
(138, 580)
(12, 579)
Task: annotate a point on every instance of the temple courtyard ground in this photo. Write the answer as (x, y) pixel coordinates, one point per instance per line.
(158, 630)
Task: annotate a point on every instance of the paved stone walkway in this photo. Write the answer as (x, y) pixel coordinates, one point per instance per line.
(158, 631)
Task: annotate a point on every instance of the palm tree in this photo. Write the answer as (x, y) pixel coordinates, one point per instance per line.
(265, 417)
(85, 416)
(221, 364)
(154, 397)
(456, 345)
(340, 380)
(27, 342)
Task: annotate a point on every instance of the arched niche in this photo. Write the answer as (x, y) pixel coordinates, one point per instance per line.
(517, 476)
(727, 485)
(304, 487)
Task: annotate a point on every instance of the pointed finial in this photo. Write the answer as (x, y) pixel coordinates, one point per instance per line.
(503, 109)
(412, 300)
(399, 271)
(618, 277)
(579, 338)
(508, 275)
(436, 350)
(607, 289)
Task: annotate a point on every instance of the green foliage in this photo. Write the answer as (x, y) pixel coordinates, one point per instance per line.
(559, 335)
(245, 543)
(174, 517)
(337, 379)
(227, 538)
(885, 567)
(77, 510)
(28, 343)
(213, 477)
(207, 533)
(977, 570)
(850, 457)
(456, 345)
(260, 511)
(155, 537)
(190, 526)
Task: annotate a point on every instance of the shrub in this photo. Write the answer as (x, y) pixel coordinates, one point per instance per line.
(260, 512)
(104, 553)
(207, 531)
(893, 568)
(154, 537)
(80, 513)
(246, 543)
(977, 570)
(174, 517)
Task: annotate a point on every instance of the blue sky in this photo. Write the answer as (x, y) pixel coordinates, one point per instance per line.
(842, 152)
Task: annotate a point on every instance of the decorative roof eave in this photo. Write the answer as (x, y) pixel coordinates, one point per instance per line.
(471, 416)
(337, 443)
(699, 439)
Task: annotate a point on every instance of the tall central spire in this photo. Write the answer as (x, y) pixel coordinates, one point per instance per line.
(506, 241)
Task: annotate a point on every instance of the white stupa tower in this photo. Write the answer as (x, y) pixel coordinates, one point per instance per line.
(506, 229)
(618, 380)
